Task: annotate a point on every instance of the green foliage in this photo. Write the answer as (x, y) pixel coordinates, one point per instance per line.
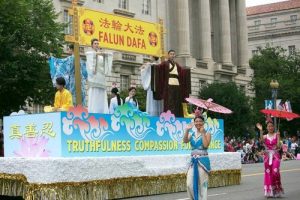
(230, 96)
(141, 95)
(29, 32)
(273, 63)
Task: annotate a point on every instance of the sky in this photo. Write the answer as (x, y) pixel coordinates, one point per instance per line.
(260, 2)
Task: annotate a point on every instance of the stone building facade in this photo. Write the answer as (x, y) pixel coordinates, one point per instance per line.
(276, 24)
(209, 36)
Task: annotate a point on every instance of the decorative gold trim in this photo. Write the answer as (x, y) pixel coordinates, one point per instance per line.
(19, 177)
(17, 185)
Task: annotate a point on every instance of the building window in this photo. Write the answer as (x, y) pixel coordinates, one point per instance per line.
(293, 18)
(292, 50)
(99, 1)
(273, 21)
(254, 52)
(124, 79)
(257, 24)
(146, 58)
(123, 4)
(128, 57)
(202, 83)
(146, 7)
(68, 19)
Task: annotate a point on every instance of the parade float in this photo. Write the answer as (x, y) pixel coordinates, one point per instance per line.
(99, 156)
(81, 155)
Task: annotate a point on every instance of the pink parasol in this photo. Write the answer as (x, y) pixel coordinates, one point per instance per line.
(208, 105)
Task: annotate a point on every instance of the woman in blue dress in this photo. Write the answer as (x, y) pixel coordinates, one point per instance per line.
(197, 175)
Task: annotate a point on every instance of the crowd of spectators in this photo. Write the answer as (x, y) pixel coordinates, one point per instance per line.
(252, 150)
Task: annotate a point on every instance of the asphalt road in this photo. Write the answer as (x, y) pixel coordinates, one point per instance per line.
(251, 187)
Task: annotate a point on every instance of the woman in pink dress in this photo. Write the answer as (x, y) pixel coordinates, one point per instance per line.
(272, 180)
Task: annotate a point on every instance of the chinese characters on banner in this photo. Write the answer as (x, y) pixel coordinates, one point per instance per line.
(119, 33)
(77, 133)
(35, 135)
(31, 131)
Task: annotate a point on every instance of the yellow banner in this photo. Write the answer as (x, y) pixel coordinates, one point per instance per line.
(119, 33)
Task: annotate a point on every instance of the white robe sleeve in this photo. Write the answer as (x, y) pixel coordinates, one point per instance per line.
(113, 104)
(146, 76)
(103, 68)
(108, 58)
(90, 63)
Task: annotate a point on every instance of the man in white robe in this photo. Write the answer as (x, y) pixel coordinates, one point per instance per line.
(153, 107)
(98, 65)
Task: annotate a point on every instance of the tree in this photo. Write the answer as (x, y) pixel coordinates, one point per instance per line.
(29, 32)
(230, 96)
(273, 63)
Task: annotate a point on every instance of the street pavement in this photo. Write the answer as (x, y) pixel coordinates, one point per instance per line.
(251, 187)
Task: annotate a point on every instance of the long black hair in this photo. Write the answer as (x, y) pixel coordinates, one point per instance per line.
(199, 117)
(116, 92)
(133, 98)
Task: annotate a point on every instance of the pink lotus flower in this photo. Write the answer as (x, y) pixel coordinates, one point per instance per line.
(33, 147)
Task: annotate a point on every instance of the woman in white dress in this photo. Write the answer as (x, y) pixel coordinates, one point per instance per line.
(131, 98)
(115, 101)
(98, 65)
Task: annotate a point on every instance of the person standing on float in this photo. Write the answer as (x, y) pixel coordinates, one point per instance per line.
(98, 64)
(173, 84)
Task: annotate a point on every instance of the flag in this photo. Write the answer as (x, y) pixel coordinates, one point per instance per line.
(269, 104)
(288, 108)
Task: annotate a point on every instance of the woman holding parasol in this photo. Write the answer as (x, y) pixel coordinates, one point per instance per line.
(272, 179)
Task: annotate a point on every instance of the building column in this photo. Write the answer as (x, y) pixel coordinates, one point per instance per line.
(225, 39)
(242, 34)
(183, 27)
(205, 30)
(233, 30)
(183, 34)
